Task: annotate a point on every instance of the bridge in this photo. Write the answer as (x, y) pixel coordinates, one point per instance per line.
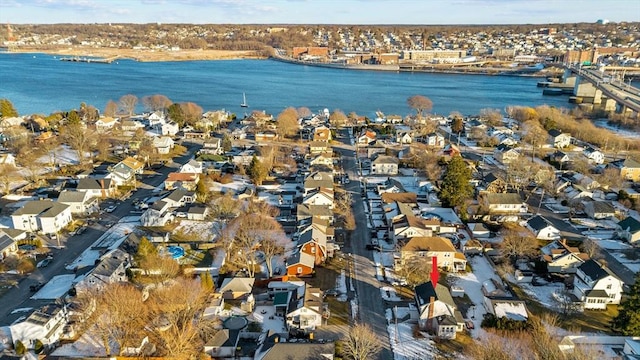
(597, 87)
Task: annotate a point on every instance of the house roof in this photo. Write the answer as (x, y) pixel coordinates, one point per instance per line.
(597, 294)
(224, 338)
(237, 284)
(630, 223)
(178, 194)
(132, 163)
(69, 196)
(5, 240)
(555, 132)
(300, 257)
(631, 163)
(603, 207)
(384, 159)
(538, 223)
(593, 270)
(313, 210)
(197, 210)
(299, 351)
(504, 198)
(110, 262)
(176, 176)
(402, 197)
(42, 208)
(93, 184)
(425, 291)
(429, 243)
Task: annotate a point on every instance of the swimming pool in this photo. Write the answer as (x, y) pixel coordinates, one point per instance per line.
(176, 251)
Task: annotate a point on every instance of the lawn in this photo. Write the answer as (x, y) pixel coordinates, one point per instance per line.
(325, 278)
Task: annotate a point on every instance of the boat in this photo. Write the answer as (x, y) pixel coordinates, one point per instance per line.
(244, 101)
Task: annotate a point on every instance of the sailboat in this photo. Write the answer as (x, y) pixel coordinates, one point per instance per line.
(244, 101)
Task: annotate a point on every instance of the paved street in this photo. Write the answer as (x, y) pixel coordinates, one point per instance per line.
(371, 310)
(18, 297)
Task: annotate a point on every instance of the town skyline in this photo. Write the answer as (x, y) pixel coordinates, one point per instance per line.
(404, 12)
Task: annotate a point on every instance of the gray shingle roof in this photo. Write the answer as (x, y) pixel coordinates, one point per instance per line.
(43, 208)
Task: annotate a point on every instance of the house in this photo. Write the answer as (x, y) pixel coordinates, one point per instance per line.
(506, 154)
(385, 165)
(158, 214)
(212, 146)
(313, 241)
(125, 171)
(366, 137)
(594, 156)
(111, 269)
(9, 241)
(317, 180)
(198, 213)
(163, 144)
(100, 188)
(81, 202)
(479, 230)
(170, 129)
(561, 258)
(559, 139)
(504, 204)
(596, 286)
(321, 196)
(236, 287)
(322, 133)
(437, 311)
(510, 308)
(542, 228)
(494, 183)
(432, 247)
(266, 136)
(180, 197)
(223, 344)
(434, 140)
(273, 349)
(559, 157)
(321, 160)
(46, 216)
(131, 125)
(105, 124)
(186, 181)
(300, 264)
(630, 170)
(7, 159)
(404, 137)
(156, 118)
(629, 229)
(192, 166)
(450, 150)
(45, 325)
(305, 314)
(406, 225)
(599, 210)
(319, 147)
(195, 134)
(215, 307)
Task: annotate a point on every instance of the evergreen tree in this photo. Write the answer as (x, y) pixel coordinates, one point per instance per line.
(145, 248)
(226, 142)
(628, 320)
(73, 118)
(202, 193)
(257, 171)
(455, 187)
(206, 281)
(6, 109)
(176, 114)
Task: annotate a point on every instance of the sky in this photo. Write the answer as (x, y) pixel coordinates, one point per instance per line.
(420, 12)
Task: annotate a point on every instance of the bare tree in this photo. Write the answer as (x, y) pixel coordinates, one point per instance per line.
(493, 117)
(420, 104)
(191, 111)
(415, 270)
(159, 267)
(591, 248)
(275, 244)
(337, 118)
(361, 343)
(304, 112)
(8, 175)
(127, 103)
(287, 122)
(610, 178)
(111, 109)
(517, 242)
(156, 102)
(80, 138)
(225, 207)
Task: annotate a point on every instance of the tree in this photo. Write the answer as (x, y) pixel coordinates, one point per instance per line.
(337, 118)
(257, 171)
(79, 138)
(304, 112)
(361, 343)
(457, 125)
(415, 270)
(227, 144)
(88, 113)
(287, 122)
(271, 247)
(8, 175)
(6, 109)
(202, 190)
(628, 320)
(420, 104)
(111, 109)
(493, 117)
(156, 102)
(192, 112)
(145, 249)
(610, 178)
(455, 187)
(591, 248)
(175, 113)
(518, 242)
(127, 104)
(535, 135)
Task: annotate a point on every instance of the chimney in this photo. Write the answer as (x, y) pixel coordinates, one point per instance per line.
(430, 313)
(434, 272)
(102, 188)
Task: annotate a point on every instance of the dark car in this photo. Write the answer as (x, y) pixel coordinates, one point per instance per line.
(373, 247)
(36, 287)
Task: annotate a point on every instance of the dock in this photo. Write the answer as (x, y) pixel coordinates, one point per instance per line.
(90, 59)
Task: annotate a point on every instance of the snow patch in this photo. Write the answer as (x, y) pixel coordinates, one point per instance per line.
(55, 288)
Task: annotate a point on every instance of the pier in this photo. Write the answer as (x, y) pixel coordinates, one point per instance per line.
(90, 59)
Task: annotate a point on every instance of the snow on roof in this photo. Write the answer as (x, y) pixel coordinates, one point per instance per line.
(56, 287)
(511, 310)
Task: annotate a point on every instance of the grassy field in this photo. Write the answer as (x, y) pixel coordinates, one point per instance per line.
(325, 279)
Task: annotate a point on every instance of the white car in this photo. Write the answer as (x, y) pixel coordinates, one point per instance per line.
(110, 208)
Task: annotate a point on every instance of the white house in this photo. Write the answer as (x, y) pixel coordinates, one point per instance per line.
(305, 314)
(111, 269)
(157, 214)
(320, 196)
(45, 324)
(561, 258)
(212, 146)
(435, 140)
(105, 124)
(504, 204)
(594, 156)
(629, 229)
(191, 167)
(100, 188)
(384, 165)
(81, 202)
(46, 216)
(404, 137)
(596, 286)
(163, 144)
(559, 139)
(437, 311)
(542, 228)
(170, 129)
(506, 154)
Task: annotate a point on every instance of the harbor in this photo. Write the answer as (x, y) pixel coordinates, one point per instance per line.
(90, 59)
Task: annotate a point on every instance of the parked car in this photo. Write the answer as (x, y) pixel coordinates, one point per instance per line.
(81, 230)
(44, 263)
(469, 325)
(110, 208)
(36, 287)
(331, 292)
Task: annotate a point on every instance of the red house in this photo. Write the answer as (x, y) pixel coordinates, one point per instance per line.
(300, 264)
